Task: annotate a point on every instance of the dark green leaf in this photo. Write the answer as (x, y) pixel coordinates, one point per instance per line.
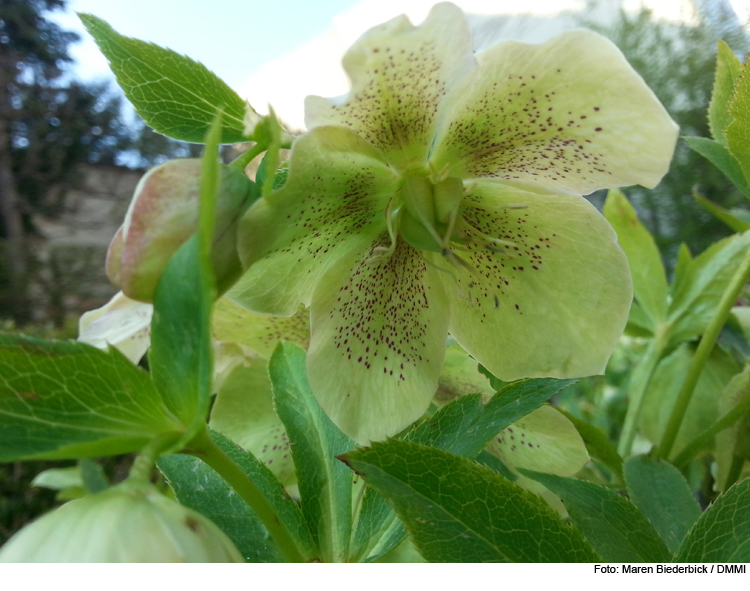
(616, 529)
(722, 159)
(175, 95)
(199, 487)
(69, 400)
(511, 403)
(325, 484)
(458, 511)
(662, 494)
(722, 533)
(463, 427)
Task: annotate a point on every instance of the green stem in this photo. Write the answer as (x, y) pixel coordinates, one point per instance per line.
(636, 391)
(203, 447)
(144, 462)
(731, 293)
(246, 157)
(735, 470)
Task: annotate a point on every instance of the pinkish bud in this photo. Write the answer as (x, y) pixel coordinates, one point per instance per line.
(164, 214)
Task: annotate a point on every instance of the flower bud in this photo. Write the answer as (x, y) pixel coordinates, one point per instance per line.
(164, 214)
(131, 522)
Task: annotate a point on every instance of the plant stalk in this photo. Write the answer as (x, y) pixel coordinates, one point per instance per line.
(245, 158)
(706, 345)
(203, 447)
(637, 390)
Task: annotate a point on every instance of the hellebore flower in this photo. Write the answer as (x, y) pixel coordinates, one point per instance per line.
(442, 195)
(130, 522)
(164, 214)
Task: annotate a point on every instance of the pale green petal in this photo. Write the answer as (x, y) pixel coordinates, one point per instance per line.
(333, 203)
(234, 324)
(568, 116)
(379, 332)
(122, 323)
(544, 441)
(553, 305)
(399, 75)
(228, 356)
(460, 376)
(243, 411)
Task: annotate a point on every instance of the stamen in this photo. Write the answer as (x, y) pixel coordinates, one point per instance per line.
(382, 251)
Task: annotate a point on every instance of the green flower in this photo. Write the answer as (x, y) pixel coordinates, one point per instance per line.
(130, 522)
(442, 195)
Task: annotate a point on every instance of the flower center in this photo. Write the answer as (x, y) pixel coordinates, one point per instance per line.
(429, 211)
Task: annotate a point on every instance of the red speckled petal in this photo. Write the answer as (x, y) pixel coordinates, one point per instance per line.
(567, 116)
(333, 203)
(378, 341)
(554, 304)
(399, 75)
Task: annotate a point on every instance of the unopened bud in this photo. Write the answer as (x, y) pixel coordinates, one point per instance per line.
(164, 214)
(131, 522)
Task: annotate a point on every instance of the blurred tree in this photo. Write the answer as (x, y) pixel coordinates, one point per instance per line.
(48, 124)
(32, 51)
(149, 148)
(678, 61)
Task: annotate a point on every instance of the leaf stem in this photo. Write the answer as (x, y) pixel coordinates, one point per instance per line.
(203, 447)
(735, 470)
(144, 462)
(639, 382)
(706, 345)
(246, 157)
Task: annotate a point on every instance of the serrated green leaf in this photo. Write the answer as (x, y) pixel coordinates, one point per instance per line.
(662, 494)
(613, 525)
(458, 511)
(175, 95)
(722, 159)
(727, 70)
(649, 278)
(181, 357)
(702, 286)
(464, 427)
(738, 131)
(325, 484)
(721, 214)
(722, 533)
(510, 404)
(199, 487)
(62, 400)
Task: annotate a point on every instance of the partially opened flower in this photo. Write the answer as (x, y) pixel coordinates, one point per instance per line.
(442, 195)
